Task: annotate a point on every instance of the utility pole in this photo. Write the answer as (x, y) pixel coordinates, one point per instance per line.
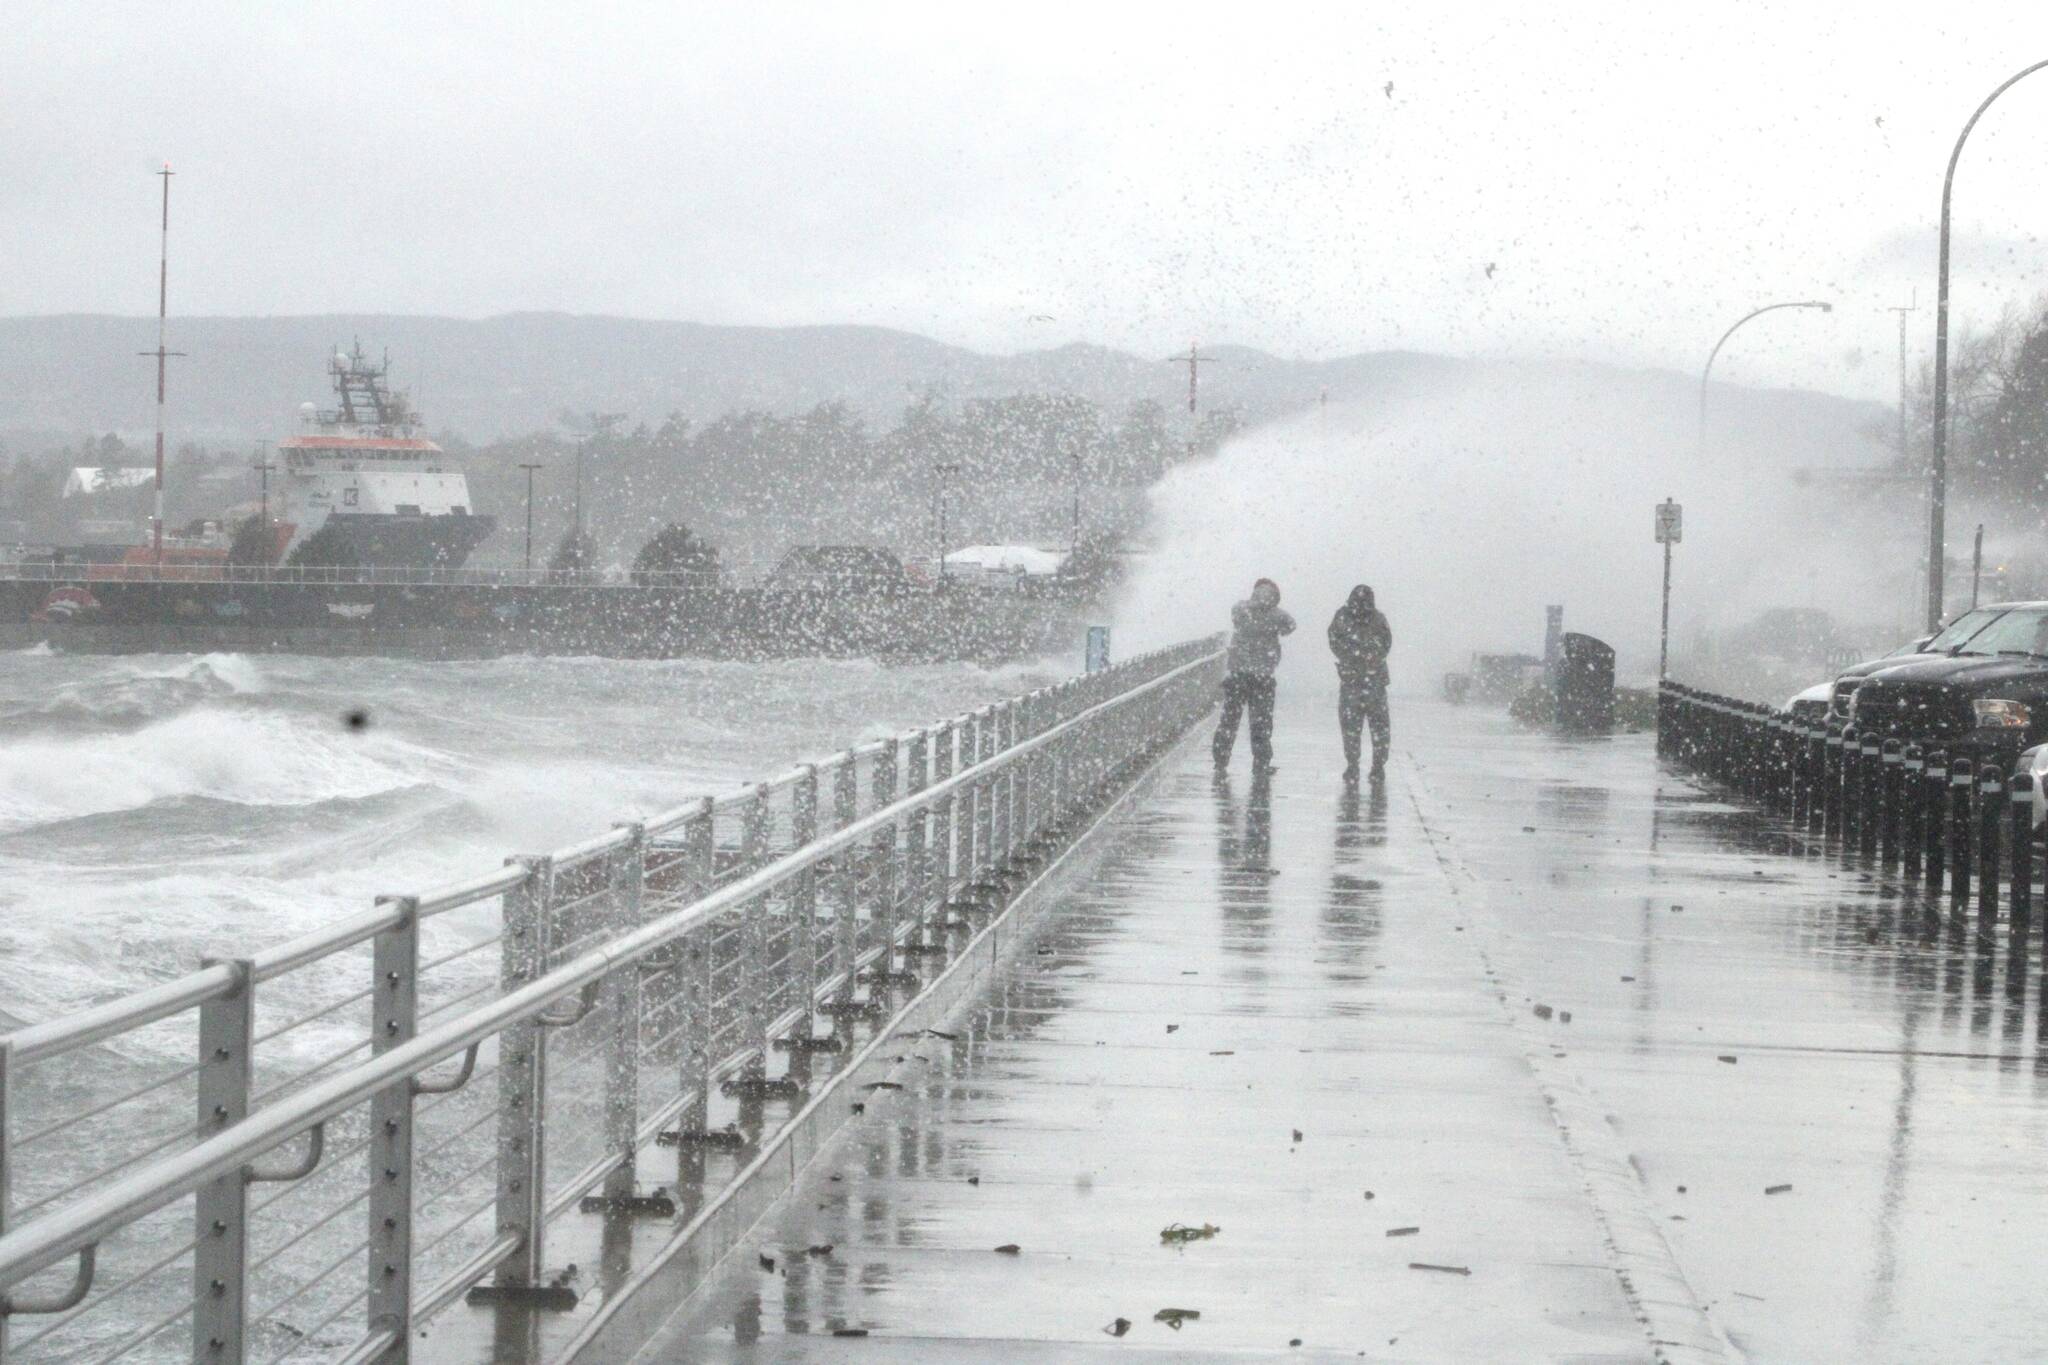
(1193, 358)
(1902, 311)
(1977, 566)
(163, 299)
(943, 471)
(1075, 548)
(1904, 444)
(578, 518)
(529, 468)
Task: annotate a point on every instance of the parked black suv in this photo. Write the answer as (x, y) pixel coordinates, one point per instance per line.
(1987, 698)
(1951, 638)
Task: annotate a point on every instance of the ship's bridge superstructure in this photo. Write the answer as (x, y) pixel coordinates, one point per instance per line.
(363, 467)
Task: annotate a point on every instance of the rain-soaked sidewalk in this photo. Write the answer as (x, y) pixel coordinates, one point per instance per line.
(1539, 1054)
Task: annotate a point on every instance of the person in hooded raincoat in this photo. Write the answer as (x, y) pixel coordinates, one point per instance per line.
(1361, 639)
(1257, 623)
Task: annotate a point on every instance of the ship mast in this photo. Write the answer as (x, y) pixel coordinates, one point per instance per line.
(163, 298)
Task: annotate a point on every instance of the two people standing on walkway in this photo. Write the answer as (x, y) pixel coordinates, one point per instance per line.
(1360, 638)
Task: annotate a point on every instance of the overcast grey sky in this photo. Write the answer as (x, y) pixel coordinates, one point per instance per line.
(1638, 175)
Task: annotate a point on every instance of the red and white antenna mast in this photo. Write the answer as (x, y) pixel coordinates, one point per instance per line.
(163, 298)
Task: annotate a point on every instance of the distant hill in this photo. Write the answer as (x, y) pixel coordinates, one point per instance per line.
(244, 378)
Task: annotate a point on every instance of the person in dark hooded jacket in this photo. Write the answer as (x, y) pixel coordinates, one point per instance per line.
(1257, 623)
(1361, 639)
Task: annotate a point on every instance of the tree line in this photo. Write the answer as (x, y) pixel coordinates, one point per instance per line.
(1006, 468)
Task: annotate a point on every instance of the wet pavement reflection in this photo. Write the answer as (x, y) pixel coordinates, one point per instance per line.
(1317, 1018)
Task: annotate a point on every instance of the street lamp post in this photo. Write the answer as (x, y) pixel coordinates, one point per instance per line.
(1709, 370)
(529, 468)
(1937, 505)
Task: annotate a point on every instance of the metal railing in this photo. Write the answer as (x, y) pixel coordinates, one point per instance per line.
(1952, 828)
(309, 1151)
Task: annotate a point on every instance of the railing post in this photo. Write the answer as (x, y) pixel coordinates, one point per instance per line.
(1894, 761)
(694, 987)
(522, 1080)
(888, 882)
(754, 1005)
(220, 1283)
(1961, 777)
(916, 862)
(1016, 730)
(1872, 797)
(1816, 760)
(846, 922)
(966, 863)
(943, 741)
(1852, 790)
(803, 895)
(987, 799)
(1934, 826)
(1831, 782)
(394, 1018)
(2020, 892)
(621, 995)
(6, 1163)
(1912, 797)
(1991, 820)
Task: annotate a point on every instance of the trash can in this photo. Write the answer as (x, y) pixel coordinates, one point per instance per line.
(1585, 686)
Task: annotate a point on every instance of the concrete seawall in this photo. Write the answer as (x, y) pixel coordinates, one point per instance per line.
(457, 622)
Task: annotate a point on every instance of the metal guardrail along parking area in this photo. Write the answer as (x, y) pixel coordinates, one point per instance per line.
(310, 1151)
(1951, 831)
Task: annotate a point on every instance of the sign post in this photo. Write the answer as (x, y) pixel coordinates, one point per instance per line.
(1670, 530)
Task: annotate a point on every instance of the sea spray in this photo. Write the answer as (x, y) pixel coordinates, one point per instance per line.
(1470, 502)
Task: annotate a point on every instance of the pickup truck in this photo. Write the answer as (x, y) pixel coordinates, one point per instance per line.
(1985, 698)
(1941, 645)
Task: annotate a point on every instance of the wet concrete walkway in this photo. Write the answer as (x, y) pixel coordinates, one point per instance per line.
(1465, 1006)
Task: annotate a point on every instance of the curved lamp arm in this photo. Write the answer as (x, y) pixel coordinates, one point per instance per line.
(1709, 370)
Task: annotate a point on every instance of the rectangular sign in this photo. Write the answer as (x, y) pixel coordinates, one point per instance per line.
(1670, 523)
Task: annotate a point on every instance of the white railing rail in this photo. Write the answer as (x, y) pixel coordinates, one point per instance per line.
(631, 990)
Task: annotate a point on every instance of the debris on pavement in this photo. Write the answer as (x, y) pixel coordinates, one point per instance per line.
(1446, 1269)
(1776, 1189)
(768, 1264)
(821, 1249)
(1181, 1233)
(1174, 1317)
(1725, 1057)
(1009, 1249)
(1118, 1328)
(1543, 1011)
(1402, 1232)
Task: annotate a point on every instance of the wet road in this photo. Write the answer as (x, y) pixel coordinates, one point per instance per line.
(1561, 1013)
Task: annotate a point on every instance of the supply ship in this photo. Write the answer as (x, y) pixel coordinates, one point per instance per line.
(386, 496)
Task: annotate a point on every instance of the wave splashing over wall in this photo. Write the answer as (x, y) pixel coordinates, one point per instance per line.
(1471, 501)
